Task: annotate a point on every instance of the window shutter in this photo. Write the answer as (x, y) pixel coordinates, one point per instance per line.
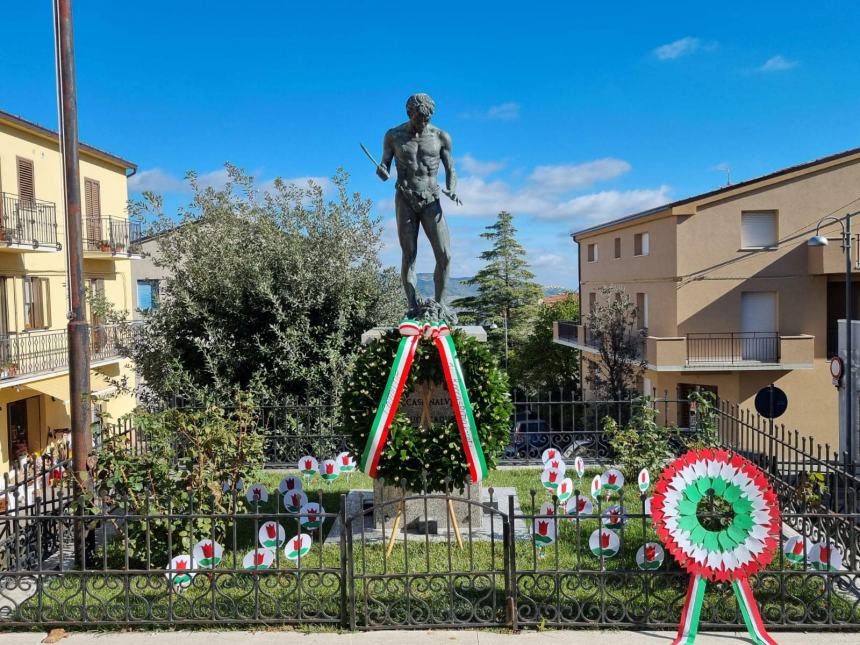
(646, 242)
(617, 247)
(26, 180)
(92, 197)
(758, 230)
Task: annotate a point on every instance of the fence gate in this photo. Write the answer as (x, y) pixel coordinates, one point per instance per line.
(410, 567)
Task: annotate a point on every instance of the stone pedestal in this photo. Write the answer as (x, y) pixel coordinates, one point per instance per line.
(432, 511)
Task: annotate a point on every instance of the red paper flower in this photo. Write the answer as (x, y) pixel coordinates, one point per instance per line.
(258, 558)
(798, 548)
(308, 464)
(329, 469)
(611, 479)
(552, 477)
(543, 528)
(580, 503)
(271, 531)
(181, 565)
(208, 550)
(650, 553)
(604, 540)
(345, 460)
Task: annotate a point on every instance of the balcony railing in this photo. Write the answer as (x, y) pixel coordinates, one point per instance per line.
(114, 235)
(733, 348)
(27, 222)
(567, 330)
(45, 352)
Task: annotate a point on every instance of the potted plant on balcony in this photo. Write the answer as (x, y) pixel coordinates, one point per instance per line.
(104, 246)
(8, 369)
(119, 248)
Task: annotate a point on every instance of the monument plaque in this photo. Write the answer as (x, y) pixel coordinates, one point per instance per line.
(428, 404)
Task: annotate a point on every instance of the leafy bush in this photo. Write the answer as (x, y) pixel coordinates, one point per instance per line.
(411, 451)
(190, 455)
(642, 443)
(705, 434)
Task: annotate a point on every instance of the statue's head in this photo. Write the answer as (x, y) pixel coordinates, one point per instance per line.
(419, 108)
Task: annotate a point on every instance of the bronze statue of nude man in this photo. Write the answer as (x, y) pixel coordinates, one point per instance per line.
(418, 147)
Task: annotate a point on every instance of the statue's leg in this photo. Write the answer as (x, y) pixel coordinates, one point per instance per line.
(407, 232)
(436, 228)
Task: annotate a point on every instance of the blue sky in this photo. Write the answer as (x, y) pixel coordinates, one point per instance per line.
(565, 115)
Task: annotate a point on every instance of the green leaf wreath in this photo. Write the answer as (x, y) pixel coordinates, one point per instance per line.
(411, 452)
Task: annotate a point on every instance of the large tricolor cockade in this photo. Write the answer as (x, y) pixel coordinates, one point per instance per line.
(412, 331)
(727, 487)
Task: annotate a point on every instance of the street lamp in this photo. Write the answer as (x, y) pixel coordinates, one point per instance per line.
(821, 240)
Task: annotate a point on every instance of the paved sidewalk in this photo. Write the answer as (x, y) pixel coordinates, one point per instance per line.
(567, 637)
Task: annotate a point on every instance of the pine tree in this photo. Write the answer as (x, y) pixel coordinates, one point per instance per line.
(508, 296)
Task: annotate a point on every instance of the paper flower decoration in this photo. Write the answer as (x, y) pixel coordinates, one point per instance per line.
(579, 505)
(612, 480)
(290, 484)
(271, 535)
(311, 518)
(650, 556)
(549, 508)
(614, 518)
(183, 565)
(825, 557)
(544, 531)
(550, 453)
(308, 465)
(329, 469)
(346, 463)
(604, 543)
(746, 536)
(579, 467)
(258, 559)
(551, 478)
(298, 546)
(564, 490)
(257, 494)
(644, 480)
(294, 501)
(207, 553)
(796, 549)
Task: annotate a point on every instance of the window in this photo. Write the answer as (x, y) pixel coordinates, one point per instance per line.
(641, 242)
(592, 300)
(35, 301)
(147, 294)
(617, 247)
(26, 181)
(642, 310)
(93, 212)
(592, 252)
(758, 230)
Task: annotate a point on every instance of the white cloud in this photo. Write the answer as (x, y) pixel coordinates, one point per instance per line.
(155, 180)
(608, 204)
(547, 260)
(507, 111)
(678, 48)
(563, 178)
(480, 168)
(777, 64)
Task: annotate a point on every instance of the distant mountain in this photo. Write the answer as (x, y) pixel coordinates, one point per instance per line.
(457, 287)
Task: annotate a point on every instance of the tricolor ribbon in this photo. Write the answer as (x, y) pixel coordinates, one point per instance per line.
(692, 612)
(411, 332)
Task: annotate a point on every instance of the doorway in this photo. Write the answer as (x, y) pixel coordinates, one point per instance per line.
(758, 326)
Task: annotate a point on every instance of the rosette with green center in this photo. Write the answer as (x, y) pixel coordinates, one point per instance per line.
(717, 514)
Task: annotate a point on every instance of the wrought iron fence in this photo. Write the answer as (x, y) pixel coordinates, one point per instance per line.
(30, 222)
(457, 562)
(733, 347)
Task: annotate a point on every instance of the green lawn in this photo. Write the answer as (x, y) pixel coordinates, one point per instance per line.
(565, 584)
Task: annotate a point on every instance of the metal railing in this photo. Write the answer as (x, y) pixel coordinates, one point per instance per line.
(27, 222)
(115, 235)
(567, 330)
(366, 571)
(31, 353)
(732, 348)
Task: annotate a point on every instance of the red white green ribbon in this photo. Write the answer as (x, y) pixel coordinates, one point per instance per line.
(692, 612)
(411, 332)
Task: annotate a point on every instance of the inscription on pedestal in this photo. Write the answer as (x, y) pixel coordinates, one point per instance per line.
(426, 404)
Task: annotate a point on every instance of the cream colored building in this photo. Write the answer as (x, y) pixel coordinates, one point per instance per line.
(729, 295)
(34, 380)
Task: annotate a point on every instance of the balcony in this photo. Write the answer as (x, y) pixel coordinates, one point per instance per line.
(830, 259)
(111, 237)
(27, 225)
(696, 352)
(573, 334)
(37, 353)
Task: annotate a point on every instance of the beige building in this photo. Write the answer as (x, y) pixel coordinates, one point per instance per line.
(34, 382)
(729, 295)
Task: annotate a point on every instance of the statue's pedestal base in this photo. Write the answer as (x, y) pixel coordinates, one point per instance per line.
(426, 514)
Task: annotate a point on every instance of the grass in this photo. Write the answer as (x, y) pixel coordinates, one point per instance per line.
(563, 584)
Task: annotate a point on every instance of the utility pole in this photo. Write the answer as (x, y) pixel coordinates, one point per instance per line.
(78, 328)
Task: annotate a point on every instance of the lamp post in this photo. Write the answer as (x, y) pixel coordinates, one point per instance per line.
(821, 240)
